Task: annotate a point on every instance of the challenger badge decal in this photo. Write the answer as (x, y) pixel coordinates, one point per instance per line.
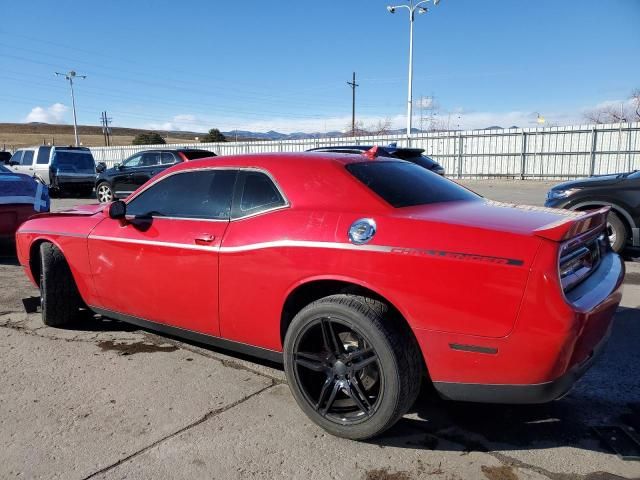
(470, 257)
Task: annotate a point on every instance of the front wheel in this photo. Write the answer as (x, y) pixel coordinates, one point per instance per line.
(352, 366)
(617, 232)
(59, 297)
(104, 193)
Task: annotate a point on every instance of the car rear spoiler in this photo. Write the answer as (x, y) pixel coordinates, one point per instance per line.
(574, 225)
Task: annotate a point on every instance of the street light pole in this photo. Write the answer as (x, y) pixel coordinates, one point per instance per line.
(410, 87)
(412, 13)
(70, 76)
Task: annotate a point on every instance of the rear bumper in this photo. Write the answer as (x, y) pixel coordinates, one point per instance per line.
(553, 344)
(520, 394)
(74, 181)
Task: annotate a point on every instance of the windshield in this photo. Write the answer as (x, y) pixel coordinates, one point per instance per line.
(403, 184)
(4, 169)
(73, 161)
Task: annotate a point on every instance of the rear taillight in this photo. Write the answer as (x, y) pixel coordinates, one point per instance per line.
(580, 257)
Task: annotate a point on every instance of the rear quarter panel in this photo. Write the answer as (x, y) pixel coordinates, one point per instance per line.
(416, 265)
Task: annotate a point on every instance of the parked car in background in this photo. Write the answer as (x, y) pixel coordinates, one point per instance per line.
(63, 169)
(5, 157)
(365, 276)
(620, 192)
(123, 178)
(413, 155)
(20, 197)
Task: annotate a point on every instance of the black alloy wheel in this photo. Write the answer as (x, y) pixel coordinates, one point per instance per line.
(352, 365)
(338, 371)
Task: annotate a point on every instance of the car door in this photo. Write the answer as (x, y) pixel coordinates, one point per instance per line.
(149, 166)
(161, 264)
(122, 178)
(26, 164)
(42, 163)
(15, 160)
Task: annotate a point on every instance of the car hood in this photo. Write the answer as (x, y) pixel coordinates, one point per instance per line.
(492, 215)
(596, 181)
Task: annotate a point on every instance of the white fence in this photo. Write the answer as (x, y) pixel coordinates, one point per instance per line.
(550, 152)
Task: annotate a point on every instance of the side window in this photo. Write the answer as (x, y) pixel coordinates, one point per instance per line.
(16, 158)
(204, 194)
(43, 155)
(133, 161)
(27, 158)
(167, 158)
(150, 159)
(257, 194)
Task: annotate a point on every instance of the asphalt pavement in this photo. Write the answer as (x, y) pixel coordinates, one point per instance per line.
(103, 399)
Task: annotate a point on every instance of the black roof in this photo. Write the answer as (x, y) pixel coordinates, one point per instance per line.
(399, 152)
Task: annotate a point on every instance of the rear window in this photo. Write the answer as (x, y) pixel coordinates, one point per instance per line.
(68, 159)
(403, 184)
(195, 154)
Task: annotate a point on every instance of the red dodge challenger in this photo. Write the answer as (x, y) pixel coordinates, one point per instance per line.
(364, 275)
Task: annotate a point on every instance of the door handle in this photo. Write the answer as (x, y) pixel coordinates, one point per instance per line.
(205, 239)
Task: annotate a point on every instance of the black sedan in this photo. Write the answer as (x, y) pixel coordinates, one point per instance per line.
(414, 155)
(619, 191)
(122, 179)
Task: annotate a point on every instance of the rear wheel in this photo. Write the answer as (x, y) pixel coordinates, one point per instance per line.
(104, 193)
(352, 367)
(617, 232)
(59, 295)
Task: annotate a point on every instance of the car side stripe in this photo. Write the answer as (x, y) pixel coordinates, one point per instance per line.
(459, 256)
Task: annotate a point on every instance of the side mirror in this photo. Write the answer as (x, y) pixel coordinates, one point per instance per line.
(101, 167)
(117, 210)
(13, 163)
(118, 166)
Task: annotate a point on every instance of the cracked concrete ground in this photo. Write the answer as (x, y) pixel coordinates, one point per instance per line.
(105, 400)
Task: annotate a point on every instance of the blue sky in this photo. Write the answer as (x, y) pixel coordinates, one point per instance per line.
(283, 65)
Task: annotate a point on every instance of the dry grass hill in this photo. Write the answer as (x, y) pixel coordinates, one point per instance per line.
(16, 135)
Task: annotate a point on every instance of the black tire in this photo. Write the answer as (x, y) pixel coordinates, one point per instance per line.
(59, 295)
(356, 407)
(617, 231)
(103, 189)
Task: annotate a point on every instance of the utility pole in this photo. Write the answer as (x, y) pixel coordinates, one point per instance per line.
(70, 76)
(353, 86)
(106, 130)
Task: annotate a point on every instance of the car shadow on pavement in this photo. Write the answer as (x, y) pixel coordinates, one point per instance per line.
(609, 394)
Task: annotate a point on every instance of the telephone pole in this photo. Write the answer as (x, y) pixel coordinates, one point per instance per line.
(106, 130)
(70, 76)
(353, 86)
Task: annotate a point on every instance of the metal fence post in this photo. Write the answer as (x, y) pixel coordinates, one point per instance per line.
(460, 140)
(523, 155)
(592, 155)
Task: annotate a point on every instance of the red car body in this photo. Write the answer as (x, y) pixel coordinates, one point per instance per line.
(477, 281)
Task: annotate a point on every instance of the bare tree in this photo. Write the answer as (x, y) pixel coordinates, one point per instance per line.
(381, 127)
(608, 114)
(625, 112)
(635, 102)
